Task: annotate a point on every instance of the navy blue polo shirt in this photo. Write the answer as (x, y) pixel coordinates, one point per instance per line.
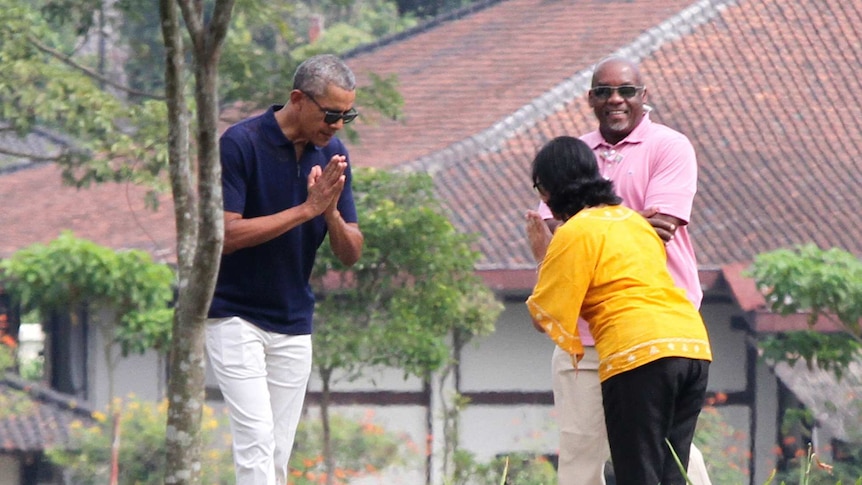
(268, 284)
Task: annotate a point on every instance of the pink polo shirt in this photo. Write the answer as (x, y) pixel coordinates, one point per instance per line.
(654, 166)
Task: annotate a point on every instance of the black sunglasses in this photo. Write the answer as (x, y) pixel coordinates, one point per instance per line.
(332, 117)
(627, 91)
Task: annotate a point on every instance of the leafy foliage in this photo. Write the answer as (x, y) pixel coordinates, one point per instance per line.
(69, 272)
(97, 137)
(360, 448)
(515, 469)
(725, 449)
(109, 122)
(413, 286)
(87, 457)
(822, 282)
(363, 447)
(811, 279)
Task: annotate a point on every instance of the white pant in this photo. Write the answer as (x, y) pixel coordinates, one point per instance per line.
(263, 377)
(581, 418)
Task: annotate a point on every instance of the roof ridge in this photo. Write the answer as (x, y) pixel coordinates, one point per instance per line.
(39, 392)
(492, 138)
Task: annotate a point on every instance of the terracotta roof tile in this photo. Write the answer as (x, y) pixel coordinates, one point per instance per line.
(760, 89)
(765, 89)
(113, 215)
(462, 76)
(34, 418)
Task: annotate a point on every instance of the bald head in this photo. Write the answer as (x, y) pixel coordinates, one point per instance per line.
(617, 65)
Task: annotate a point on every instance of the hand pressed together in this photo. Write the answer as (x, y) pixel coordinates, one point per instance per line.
(325, 185)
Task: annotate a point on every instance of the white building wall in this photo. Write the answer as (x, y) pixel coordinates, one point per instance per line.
(10, 470)
(514, 358)
(143, 375)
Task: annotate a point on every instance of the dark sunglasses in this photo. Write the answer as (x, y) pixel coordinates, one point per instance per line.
(332, 117)
(627, 91)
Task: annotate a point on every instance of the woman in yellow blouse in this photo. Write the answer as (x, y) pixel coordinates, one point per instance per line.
(606, 263)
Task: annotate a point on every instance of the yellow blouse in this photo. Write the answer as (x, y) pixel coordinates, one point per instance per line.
(608, 265)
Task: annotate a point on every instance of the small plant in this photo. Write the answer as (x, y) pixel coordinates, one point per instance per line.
(360, 448)
(725, 449)
(87, 458)
(517, 469)
(809, 463)
(809, 470)
(8, 345)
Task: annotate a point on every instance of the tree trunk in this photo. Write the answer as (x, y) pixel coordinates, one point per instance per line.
(328, 459)
(199, 222)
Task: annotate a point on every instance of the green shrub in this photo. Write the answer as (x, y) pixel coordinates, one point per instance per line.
(87, 458)
(514, 469)
(725, 449)
(358, 447)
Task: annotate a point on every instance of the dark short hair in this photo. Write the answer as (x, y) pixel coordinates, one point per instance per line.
(565, 169)
(318, 72)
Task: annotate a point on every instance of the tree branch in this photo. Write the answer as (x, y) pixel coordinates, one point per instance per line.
(30, 156)
(89, 72)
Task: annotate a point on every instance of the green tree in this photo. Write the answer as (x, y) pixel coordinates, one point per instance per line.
(103, 130)
(50, 85)
(821, 283)
(71, 273)
(413, 293)
(266, 42)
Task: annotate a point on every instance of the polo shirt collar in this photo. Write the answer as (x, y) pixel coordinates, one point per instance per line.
(273, 132)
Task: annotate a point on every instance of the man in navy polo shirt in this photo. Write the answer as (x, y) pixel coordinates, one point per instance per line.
(286, 183)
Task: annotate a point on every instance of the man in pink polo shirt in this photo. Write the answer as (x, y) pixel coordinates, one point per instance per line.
(654, 170)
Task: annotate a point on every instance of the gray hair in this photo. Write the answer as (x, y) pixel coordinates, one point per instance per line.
(318, 72)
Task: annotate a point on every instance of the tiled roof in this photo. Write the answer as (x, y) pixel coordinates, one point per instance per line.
(833, 401)
(763, 88)
(463, 75)
(33, 418)
(37, 208)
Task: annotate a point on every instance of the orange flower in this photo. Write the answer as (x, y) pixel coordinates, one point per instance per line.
(9, 341)
(789, 440)
(823, 466)
(709, 410)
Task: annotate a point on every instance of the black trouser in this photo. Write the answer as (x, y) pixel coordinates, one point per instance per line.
(644, 406)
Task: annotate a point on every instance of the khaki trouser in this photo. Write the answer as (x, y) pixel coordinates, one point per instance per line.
(583, 438)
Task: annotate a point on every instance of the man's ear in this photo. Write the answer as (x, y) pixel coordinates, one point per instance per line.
(295, 96)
